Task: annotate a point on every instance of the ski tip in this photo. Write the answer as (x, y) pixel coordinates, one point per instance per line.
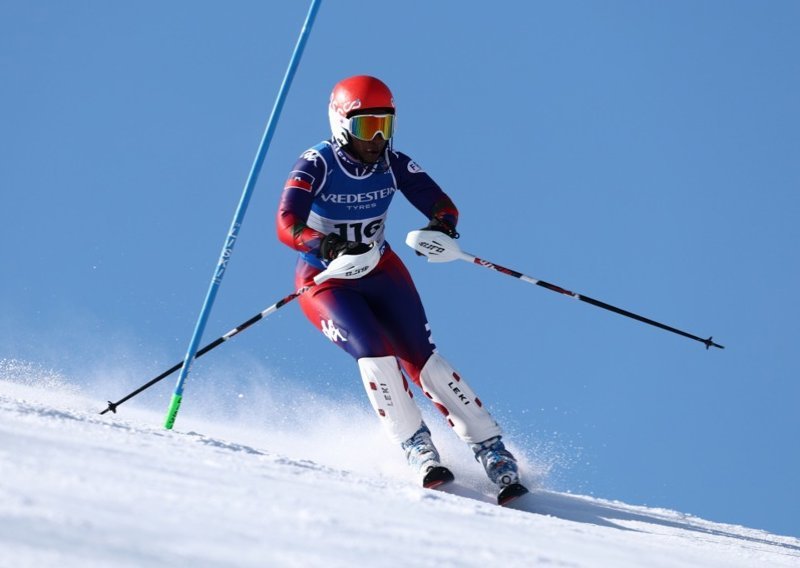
(436, 476)
(510, 493)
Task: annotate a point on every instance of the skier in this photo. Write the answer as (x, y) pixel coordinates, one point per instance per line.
(335, 203)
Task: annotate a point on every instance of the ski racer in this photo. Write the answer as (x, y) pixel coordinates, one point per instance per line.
(335, 203)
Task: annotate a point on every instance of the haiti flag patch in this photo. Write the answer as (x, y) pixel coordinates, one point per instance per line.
(299, 180)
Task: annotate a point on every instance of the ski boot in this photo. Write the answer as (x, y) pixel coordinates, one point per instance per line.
(423, 458)
(501, 467)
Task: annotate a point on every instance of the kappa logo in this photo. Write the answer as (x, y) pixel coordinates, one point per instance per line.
(311, 156)
(331, 331)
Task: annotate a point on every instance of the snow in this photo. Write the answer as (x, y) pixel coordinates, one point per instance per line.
(82, 489)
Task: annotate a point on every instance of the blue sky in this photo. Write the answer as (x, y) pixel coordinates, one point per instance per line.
(642, 153)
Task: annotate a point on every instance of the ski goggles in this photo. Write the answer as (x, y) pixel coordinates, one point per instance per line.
(368, 126)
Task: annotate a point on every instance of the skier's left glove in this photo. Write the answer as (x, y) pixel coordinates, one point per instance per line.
(333, 246)
(442, 226)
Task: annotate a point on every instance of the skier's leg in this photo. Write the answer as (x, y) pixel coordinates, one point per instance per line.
(457, 401)
(395, 300)
(469, 418)
(390, 396)
(409, 333)
(345, 317)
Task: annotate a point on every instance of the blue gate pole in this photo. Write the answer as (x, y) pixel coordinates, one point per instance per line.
(233, 233)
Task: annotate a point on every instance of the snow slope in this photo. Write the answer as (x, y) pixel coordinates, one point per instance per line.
(81, 489)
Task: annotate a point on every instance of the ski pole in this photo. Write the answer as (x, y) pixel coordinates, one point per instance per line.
(439, 247)
(112, 406)
(233, 233)
(345, 267)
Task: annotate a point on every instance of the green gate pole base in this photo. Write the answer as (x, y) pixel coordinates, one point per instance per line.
(174, 405)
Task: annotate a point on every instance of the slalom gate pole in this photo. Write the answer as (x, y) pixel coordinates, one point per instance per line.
(112, 406)
(439, 247)
(233, 233)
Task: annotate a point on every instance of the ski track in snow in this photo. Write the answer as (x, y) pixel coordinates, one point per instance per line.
(81, 489)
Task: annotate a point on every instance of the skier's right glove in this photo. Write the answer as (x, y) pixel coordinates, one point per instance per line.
(334, 246)
(442, 226)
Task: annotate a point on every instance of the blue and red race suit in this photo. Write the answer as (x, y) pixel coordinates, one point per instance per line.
(328, 191)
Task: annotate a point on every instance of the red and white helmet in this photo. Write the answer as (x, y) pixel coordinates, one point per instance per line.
(357, 93)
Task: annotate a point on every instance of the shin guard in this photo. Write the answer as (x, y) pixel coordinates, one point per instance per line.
(453, 396)
(390, 396)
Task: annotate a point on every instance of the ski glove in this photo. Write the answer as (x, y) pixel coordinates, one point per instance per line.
(442, 226)
(334, 246)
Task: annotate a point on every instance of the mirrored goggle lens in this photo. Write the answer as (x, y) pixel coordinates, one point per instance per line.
(367, 126)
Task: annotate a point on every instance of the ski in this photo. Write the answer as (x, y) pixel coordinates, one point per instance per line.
(510, 493)
(436, 476)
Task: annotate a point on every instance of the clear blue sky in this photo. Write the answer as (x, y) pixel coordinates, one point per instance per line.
(642, 153)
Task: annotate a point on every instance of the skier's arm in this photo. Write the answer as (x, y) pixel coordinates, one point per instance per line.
(425, 194)
(303, 182)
